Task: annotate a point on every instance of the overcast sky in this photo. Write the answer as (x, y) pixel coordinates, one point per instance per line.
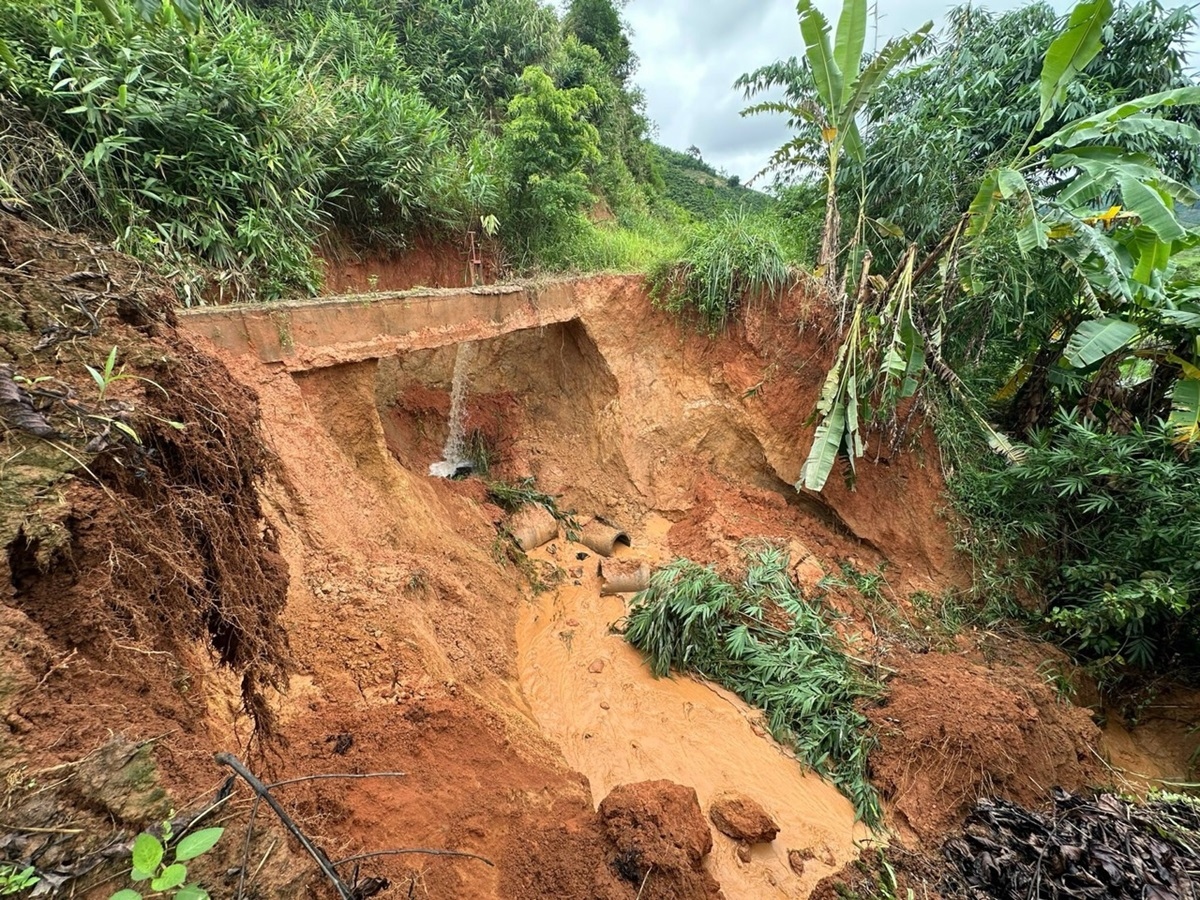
(691, 52)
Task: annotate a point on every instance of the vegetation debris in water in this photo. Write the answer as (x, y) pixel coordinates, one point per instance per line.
(765, 642)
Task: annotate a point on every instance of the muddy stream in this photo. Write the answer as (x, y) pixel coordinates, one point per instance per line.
(593, 695)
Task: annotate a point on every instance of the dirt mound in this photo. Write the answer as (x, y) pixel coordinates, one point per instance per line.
(131, 521)
(661, 839)
(952, 730)
(742, 819)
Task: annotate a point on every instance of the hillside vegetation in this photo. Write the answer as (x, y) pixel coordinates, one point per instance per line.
(226, 146)
(701, 190)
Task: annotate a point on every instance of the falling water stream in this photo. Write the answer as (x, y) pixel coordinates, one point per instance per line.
(454, 459)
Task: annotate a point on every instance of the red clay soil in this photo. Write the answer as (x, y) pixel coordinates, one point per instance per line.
(661, 839)
(427, 263)
(132, 567)
(726, 515)
(953, 729)
(397, 642)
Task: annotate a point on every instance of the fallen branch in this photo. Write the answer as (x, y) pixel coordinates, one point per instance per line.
(270, 787)
(404, 850)
(344, 890)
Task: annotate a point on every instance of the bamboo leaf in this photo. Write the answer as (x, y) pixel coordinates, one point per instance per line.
(1070, 53)
(1098, 339)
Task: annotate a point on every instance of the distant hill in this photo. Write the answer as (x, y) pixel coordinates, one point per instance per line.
(702, 190)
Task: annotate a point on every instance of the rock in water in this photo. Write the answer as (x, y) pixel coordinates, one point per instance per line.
(742, 819)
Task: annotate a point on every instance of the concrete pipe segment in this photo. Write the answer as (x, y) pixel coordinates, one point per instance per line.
(624, 576)
(601, 537)
(533, 525)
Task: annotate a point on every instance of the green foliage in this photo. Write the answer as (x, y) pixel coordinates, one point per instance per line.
(598, 24)
(1114, 514)
(706, 194)
(764, 641)
(937, 127)
(228, 146)
(722, 265)
(468, 57)
(225, 148)
(1104, 293)
(622, 170)
(824, 95)
(546, 143)
(14, 880)
(149, 864)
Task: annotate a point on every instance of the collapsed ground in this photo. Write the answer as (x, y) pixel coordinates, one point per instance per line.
(281, 579)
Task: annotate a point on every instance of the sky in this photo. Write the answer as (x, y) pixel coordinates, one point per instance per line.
(691, 52)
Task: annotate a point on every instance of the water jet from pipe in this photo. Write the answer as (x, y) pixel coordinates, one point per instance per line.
(454, 462)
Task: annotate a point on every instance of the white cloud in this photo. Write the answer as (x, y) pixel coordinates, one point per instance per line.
(692, 51)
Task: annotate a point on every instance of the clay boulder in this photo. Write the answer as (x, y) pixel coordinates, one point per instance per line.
(742, 819)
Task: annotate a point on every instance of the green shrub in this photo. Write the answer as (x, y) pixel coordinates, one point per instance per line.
(230, 146)
(764, 642)
(546, 143)
(722, 265)
(1104, 526)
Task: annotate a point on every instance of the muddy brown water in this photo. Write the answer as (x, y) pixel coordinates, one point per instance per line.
(593, 695)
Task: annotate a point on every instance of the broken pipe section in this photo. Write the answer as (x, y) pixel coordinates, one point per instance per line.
(601, 537)
(624, 576)
(532, 525)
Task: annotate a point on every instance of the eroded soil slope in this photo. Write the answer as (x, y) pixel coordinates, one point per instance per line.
(395, 631)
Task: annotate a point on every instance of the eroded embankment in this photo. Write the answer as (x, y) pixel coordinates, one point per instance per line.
(408, 633)
(417, 646)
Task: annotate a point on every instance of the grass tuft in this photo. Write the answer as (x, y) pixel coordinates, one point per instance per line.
(721, 265)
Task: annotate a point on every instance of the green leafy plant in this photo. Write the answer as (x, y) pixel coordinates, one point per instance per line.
(1117, 544)
(110, 374)
(150, 864)
(14, 880)
(546, 142)
(764, 641)
(1096, 218)
(824, 95)
(721, 266)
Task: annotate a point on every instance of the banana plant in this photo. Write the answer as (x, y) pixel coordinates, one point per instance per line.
(828, 92)
(1122, 254)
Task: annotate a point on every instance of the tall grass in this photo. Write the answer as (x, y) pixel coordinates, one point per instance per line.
(720, 266)
(636, 244)
(762, 640)
(233, 146)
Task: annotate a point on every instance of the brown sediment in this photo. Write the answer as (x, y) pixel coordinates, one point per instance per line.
(420, 642)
